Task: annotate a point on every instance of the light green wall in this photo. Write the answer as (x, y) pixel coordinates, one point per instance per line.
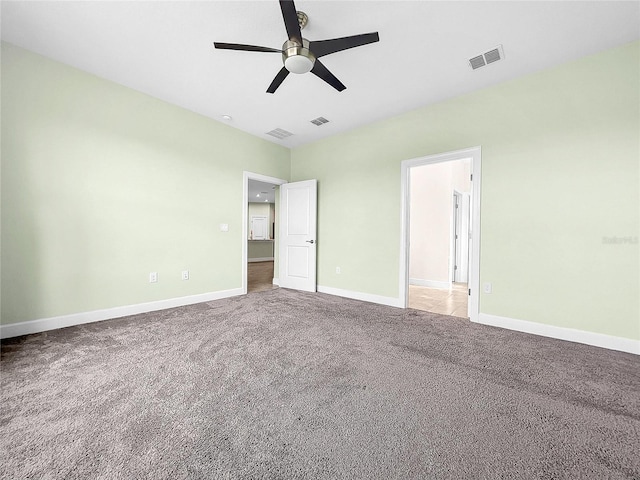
(560, 171)
(102, 185)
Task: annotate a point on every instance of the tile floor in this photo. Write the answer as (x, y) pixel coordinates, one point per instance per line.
(447, 301)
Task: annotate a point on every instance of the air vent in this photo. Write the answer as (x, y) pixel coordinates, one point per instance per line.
(319, 121)
(487, 57)
(477, 62)
(279, 133)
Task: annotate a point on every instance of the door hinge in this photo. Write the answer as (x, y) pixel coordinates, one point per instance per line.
(469, 292)
(455, 267)
(471, 177)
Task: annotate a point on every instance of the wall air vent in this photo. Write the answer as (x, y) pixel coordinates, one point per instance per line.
(279, 133)
(319, 121)
(490, 56)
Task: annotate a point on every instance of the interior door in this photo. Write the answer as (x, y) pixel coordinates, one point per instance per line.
(258, 228)
(461, 239)
(297, 262)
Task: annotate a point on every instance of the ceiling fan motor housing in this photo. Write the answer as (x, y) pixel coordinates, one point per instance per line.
(297, 58)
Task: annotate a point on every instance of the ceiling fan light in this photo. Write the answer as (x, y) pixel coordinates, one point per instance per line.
(298, 64)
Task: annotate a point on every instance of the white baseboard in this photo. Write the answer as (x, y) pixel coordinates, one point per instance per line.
(429, 283)
(367, 297)
(41, 325)
(276, 281)
(260, 259)
(562, 333)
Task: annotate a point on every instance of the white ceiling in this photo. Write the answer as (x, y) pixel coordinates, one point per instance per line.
(261, 192)
(165, 49)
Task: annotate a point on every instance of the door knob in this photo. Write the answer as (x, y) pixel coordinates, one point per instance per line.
(309, 241)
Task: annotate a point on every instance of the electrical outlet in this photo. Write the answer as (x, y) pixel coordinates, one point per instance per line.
(153, 277)
(487, 287)
(338, 271)
(185, 274)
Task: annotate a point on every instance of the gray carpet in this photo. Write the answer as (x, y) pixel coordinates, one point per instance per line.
(282, 384)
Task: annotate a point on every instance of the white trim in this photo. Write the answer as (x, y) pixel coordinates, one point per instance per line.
(461, 215)
(246, 176)
(452, 240)
(52, 323)
(276, 281)
(367, 297)
(475, 154)
(429, 283)
(562, 333)
(260, 259)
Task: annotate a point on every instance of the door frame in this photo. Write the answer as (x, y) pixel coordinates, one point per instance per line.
(453, 236)
(460, 217)
(475, 154)
(246, 176)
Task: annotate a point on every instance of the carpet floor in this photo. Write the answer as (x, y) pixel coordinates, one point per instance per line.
(289, 385)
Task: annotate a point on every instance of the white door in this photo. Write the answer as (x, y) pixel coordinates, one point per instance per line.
(297, 262)
(457, 237)
(258, 228)
(461, 237)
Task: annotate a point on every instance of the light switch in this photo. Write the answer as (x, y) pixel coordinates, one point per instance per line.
(224, 227)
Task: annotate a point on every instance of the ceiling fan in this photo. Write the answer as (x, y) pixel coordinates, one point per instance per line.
(299, 54)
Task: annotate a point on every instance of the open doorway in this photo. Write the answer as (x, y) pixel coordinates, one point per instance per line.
(260, 247)
(438, 237)
(440, 251)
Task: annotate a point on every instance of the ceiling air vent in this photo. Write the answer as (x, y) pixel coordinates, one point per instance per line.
(279, 133)
(487, 57)
(319, 121)
(477, 62)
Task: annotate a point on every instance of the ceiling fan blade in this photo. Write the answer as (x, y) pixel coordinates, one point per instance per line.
(290, 17)
(325, 47)
(248, 48)
(321, 71)
(282, 74)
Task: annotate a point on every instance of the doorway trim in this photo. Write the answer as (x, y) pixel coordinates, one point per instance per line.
(461, 217)
(246, 176)
(475, 154)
